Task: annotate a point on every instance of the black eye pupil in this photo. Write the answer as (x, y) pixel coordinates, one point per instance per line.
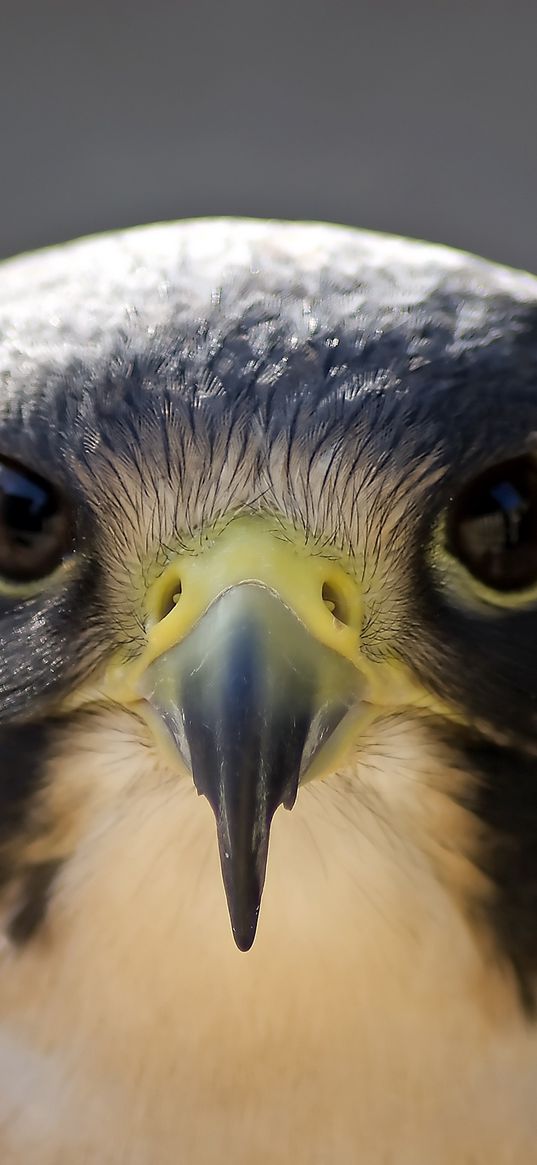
(26, 505)
(34, 524)
(492, 526)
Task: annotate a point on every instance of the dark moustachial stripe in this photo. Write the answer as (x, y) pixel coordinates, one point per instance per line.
(23, 754)
(24, 749)
(33, 901)
(505, 801)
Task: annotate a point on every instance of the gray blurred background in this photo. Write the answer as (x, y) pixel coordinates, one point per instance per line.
(404, 115)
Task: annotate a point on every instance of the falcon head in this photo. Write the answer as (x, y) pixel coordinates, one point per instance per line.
(268, 531)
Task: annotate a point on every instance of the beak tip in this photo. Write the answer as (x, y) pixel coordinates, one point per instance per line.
(243, 913)
(244, 938)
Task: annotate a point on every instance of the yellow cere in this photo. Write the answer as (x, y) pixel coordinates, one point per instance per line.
(320, 591)
(316, 588)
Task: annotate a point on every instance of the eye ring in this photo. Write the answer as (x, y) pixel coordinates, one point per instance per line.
(36, 525)
(491, 526)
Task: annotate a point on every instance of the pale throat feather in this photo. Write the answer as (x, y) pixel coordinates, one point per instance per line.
(366, 981)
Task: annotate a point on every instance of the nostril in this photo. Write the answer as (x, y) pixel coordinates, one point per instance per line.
(170, 598)
(336, 602)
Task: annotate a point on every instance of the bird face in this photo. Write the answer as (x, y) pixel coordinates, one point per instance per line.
(269, 525)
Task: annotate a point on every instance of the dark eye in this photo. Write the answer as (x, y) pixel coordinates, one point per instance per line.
(492, 526)
(35, 525)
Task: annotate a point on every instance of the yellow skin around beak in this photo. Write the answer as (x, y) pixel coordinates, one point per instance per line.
(322, 594)
(317, 588)
(253, 665)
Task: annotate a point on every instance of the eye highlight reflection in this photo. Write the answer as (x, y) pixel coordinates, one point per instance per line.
(491, 527)
(36, 529)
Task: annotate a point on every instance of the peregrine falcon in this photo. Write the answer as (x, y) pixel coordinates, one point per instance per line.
(268, 541)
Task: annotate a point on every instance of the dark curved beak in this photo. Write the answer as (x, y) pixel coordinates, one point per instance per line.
(249, 697)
